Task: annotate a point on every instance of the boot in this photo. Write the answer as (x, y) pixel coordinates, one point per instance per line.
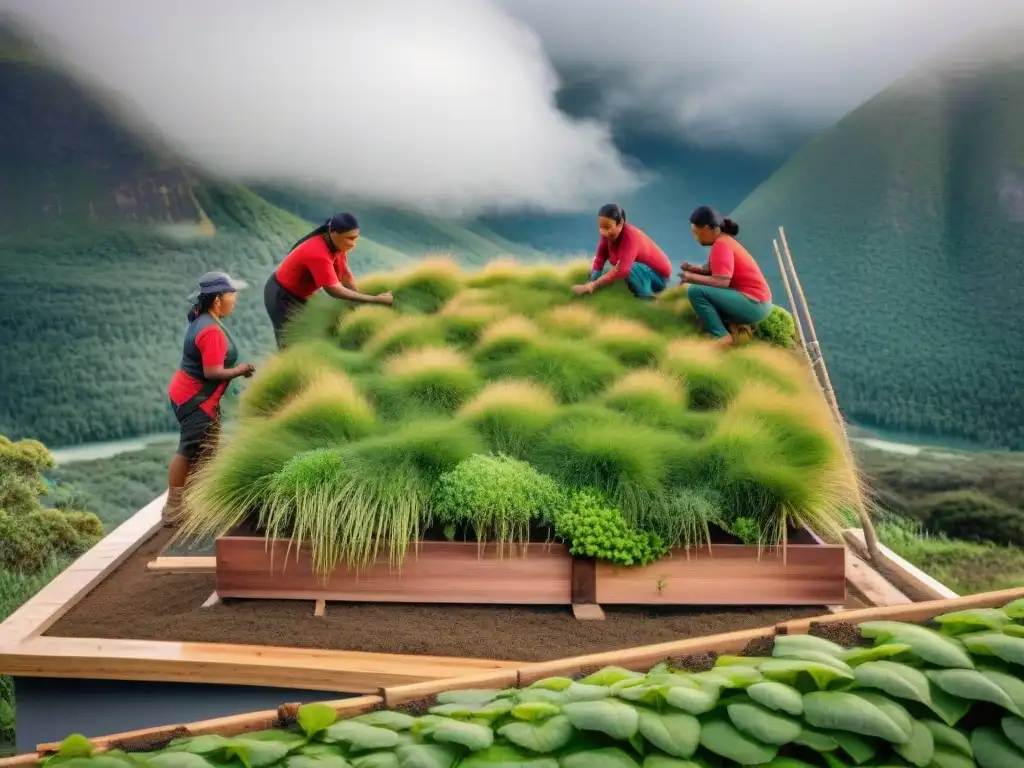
(740, 333)
(172, 508)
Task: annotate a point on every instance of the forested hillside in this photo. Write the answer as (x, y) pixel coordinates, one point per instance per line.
(103, 234)
(906, 221)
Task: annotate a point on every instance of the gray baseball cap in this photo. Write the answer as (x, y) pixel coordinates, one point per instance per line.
(220, 282)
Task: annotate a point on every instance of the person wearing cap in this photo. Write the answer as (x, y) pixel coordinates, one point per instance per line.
(208, 364)
(318, 260)
(729, 294)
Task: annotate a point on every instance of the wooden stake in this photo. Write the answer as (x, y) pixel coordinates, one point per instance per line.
(321, 606)
(870, 537)
(792, 303)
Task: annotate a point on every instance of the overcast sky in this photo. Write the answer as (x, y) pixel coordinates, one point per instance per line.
(449, 105)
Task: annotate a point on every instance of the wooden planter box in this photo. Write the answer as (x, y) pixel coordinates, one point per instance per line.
(730, 574)
(461, 572)
(433, 572)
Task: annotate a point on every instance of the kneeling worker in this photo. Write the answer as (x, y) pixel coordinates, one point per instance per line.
(634, 257)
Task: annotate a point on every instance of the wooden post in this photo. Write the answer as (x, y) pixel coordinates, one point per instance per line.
(584, 590)
(792, 302)
(818, 362)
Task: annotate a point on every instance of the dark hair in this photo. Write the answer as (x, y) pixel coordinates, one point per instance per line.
(706, 216)
(339, 222)
(612, 211)
(202, 304)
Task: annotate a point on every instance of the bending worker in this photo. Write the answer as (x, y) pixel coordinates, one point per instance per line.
(208, 364)
(319, 260)
(634, 257)
(730, 289)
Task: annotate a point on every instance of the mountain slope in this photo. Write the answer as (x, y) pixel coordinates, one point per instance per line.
(906, 222)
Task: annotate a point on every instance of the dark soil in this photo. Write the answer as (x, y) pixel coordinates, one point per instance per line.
(759, 646)
(152, 743)
(841, 632)
(696, 662)
(133, 603)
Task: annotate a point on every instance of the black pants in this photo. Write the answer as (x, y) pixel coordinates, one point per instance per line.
(281, 304)
(198, 432)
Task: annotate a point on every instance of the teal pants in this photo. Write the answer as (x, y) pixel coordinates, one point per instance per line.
(717, 307)
(643, 281)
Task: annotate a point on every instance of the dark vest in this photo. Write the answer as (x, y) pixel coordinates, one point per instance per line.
(192, 361)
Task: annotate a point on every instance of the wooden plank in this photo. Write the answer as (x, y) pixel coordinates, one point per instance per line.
(223, 663)
(871, 584)
(58, 597)
(584, 580)
(433, 572)
(587, 612)
(319, 608)
(183, 564)
(232, 725)
(402, 694)
(730, 574)
(907, 577)
(914, 612)
(643, 657)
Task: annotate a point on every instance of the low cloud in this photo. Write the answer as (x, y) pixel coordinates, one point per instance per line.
(443, 105)
(742, 72)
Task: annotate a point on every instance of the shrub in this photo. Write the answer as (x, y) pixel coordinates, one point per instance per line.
(630, 342)
(972, 516)
(510, 415)
(427, 287)
(439, 378)
(358, 326)
(463, 325)
(22, 547)
(571, 369)
(593, 527)
(571, 320)
(86, 523)
(286, 374)
(506, 336)
(497, 497)
(330, 409)
(778, 328)
(405, 332)
(59, 536)
(626, 462)
(650, 396)
(709, 384)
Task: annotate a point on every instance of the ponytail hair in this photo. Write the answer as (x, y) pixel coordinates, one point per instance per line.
(730, 227)
(613, 211)
(321, 230)
(706, 216)
(202, 305)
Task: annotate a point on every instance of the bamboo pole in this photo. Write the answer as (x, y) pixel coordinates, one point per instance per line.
(818, 362)
(792, 302)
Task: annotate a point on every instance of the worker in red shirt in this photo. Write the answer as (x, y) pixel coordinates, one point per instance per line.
(730, 289)
(208, 364)
(634, 257)
(319, 260)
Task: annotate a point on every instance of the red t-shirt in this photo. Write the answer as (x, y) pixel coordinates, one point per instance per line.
(311, 266)
(730, 259)
(632, 245)
(213, 347)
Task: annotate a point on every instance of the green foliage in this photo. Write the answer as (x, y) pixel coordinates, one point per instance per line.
(972, 516)
(928, 698)
(778, 328)
(497, 497)
(346, 437)
(595, 528)
(22, 465)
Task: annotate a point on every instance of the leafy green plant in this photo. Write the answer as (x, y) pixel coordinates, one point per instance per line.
(746, 530)
(912, 696)
(594, 528)
(778, 328)
(497, 497)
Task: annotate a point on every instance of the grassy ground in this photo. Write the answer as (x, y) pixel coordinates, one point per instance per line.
(943, 508)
